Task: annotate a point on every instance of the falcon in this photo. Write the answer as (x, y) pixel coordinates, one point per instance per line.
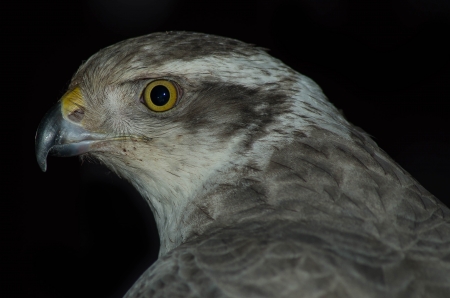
(258, 184)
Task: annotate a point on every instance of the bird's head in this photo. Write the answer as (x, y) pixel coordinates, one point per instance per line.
(179, 115)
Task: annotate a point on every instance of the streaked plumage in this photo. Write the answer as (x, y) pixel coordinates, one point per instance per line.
(259, 186)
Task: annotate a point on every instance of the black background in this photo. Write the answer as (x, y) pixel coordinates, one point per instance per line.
(78, 230)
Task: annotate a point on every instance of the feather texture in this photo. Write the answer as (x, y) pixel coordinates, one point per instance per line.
(339, 219)
(259, 186)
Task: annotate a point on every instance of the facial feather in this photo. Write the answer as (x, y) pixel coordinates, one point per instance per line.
(237, 105)
(251, 155)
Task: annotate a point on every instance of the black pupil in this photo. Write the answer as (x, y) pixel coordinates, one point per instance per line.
(160, 95)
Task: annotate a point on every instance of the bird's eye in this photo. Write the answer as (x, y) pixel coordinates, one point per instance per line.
(160, 95)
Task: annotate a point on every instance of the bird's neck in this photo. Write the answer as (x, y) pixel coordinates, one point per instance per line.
(199, 187)
(193, 192)
(183, 213)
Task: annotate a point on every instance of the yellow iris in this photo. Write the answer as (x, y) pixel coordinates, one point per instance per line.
(160, 95)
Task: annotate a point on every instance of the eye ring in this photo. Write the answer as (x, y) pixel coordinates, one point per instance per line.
(160, 95)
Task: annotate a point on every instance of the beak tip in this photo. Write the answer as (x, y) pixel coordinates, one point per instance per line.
(46, 135)
(43, 166)
(41, 158)
(41, 155)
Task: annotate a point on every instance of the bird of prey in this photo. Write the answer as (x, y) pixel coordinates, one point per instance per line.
(258, 184)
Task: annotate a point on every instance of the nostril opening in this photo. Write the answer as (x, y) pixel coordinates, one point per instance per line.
(76, 116)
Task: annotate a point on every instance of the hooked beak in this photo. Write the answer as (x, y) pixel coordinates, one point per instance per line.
(59, 136)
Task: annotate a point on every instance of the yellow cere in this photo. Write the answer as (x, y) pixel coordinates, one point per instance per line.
(160, 95)
(71, 101)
